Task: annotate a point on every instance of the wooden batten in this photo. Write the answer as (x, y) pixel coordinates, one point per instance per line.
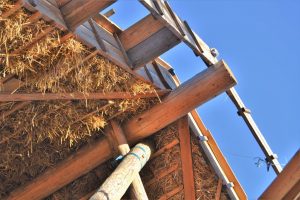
(186, 158)
(152, 47)
(73, 96)
(146, 40)
(182, 100)
(77, 12)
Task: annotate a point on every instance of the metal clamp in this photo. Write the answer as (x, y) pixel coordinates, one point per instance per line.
(243, 110)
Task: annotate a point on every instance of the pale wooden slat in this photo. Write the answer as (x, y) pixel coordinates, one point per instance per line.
(152, 47)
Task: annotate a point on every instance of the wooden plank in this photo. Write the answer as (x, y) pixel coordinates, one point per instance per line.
(121, 47)
(97, 36)
(103, 34)
(109, 13)
(78, 96)
(219, 189)
(203, 86)
(174, 17)
(285, 181)
(220, 157)
(152, 47)
(77, 12)
(160, 75)
(294, 193)
(155, 79)
(171, 193)
(140, 31)
(186, 158)
(106, 24)
(50, 11)
(61, 3)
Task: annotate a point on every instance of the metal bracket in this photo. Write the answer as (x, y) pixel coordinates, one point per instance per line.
(243, 110)
(202, 138)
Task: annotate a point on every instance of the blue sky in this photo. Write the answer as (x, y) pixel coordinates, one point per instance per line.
(260, 41)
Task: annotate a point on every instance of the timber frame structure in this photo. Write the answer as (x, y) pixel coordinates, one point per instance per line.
(136, 50)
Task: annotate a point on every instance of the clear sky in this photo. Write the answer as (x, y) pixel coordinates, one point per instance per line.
(260, 41)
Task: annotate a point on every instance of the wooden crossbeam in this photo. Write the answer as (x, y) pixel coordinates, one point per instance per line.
(186, 158)
(160, 75)
(171, 193)
(76, 12)
(97, 36)
(13, 10)
(78, 96)
(107, 24)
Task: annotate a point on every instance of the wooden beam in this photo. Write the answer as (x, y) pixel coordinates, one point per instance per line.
(137, 189)
(97, 36)
(188, 95)
(76, 12)
(219, 189)
(124, 53)
(118, 182)
(107, 24)
(182, 100)
(171, 193)
(285, 181)
(140, 31)
(78, 96)
(160, 75)
(152, 47)
(186, 158)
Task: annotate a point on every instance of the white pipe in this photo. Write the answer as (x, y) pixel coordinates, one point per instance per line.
(212, 159)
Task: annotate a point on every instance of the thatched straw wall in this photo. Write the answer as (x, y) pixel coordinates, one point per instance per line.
(42, 133)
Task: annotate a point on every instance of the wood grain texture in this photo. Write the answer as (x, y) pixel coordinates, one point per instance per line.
(285, 181)
(186, 158)
(140, 31)
(75, 95)
(199, 89)
(152, 47)
(78, 11)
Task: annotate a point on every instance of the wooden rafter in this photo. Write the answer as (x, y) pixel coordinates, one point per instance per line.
(78, 96)
(186, 158)
(203, 86)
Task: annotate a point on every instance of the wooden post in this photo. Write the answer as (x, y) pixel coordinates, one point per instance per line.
(182, 100)
(137, 189)
(116, 185)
